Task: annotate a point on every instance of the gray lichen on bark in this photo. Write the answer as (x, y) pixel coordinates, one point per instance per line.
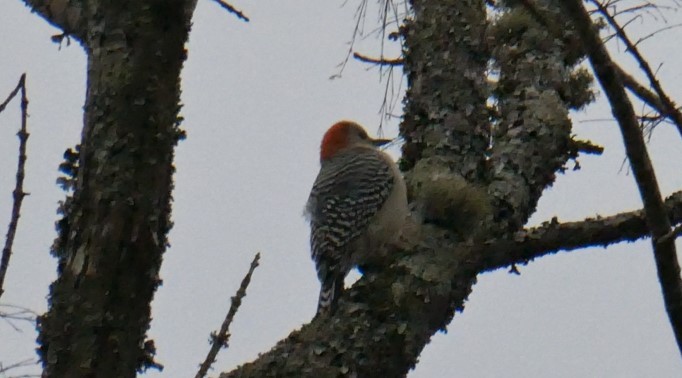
(532, 133)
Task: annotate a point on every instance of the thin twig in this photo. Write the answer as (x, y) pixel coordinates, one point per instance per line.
(387, 105)
(358, 31)
(219, 340)
(240, 15)
(18, 194)
(665, 254)
(17, 313)
(12, 95)
(381, 61)
(4, 369)
(654, 33)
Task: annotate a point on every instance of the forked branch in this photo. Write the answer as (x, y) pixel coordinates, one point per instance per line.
(665, 105)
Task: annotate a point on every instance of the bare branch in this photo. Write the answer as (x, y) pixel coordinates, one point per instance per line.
(12, 94)
(240, 15)
(552, 237)
(668, 106)
(358, 29)
(664, 250)
(4, 369)
(656, 32)
(389, 14)
(17, 314)
(390, 98)
(652, 99)
(641, 91)
(649, 97)
(381, 61)
(219, 340)
(18, 193)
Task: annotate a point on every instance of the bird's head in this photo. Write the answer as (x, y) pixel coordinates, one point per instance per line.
(343, 135)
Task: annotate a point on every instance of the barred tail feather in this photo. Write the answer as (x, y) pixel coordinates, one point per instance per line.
(329, 295)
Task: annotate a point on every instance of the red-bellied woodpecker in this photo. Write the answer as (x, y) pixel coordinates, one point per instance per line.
(357, 205)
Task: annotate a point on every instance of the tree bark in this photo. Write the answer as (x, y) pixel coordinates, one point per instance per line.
(486, 164)
(115, 226)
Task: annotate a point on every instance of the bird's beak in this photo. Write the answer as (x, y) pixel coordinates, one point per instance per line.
(381, 142)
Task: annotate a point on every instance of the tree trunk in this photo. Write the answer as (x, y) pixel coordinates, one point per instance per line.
(115, 226)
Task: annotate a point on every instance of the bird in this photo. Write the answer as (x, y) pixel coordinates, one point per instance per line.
(357, 206)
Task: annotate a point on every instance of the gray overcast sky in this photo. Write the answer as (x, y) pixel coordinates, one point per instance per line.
(257, 98)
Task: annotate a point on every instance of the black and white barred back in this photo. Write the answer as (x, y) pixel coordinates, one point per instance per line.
(349, 190)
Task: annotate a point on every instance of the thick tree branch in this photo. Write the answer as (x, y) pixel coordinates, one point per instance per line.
(635, 147)
(532, 140)
(18, 194)
(553, 237)
(446, 118)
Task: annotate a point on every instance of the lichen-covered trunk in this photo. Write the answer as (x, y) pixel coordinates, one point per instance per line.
(446, 121)
(115, 227)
